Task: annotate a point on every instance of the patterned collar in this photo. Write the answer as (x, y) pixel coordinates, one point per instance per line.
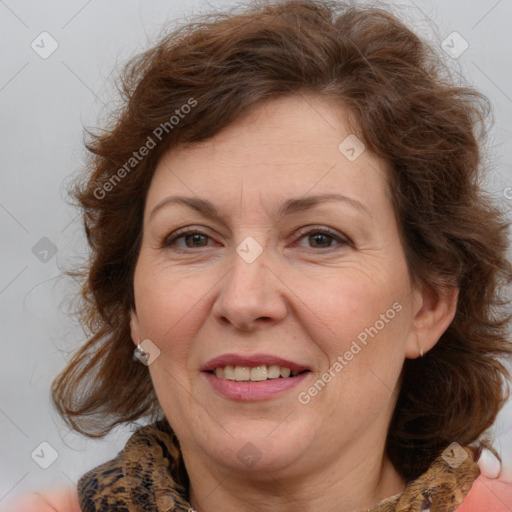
(149, 475)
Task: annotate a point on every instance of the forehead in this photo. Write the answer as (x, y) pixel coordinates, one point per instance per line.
(292, 146)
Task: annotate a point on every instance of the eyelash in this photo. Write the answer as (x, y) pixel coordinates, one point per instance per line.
(184, 232)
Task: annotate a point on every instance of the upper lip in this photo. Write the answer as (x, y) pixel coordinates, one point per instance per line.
(253, 360)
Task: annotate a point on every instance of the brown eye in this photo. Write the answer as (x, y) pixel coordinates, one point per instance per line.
(193, 239)
(323, 239)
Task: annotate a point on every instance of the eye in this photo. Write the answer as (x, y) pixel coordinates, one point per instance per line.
(322, 238)
(193, 238)
(318, 238)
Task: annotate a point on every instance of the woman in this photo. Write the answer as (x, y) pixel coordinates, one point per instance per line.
(286, 224)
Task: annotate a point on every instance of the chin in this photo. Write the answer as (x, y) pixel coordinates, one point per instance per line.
(261, 446)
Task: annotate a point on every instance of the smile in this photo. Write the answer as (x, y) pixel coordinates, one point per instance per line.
(255, 373)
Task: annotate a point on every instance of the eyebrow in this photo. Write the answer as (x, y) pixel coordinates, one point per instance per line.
(291, 206)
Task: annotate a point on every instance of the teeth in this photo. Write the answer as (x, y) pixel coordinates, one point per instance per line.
(254, 374)
(285, 372)
(242, 373)
(259, 373)
(273, 371)
(229, 373)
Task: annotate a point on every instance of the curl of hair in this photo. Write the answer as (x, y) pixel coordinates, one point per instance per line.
(406, 110)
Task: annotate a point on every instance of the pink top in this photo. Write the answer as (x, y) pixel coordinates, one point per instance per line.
(488, 496)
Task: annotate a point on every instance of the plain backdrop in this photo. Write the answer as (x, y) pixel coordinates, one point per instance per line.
(45, 101)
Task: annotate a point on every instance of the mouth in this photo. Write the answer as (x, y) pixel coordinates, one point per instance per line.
(258, 373)
(252, 378)
(253, 368)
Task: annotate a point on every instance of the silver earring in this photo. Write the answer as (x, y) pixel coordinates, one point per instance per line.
(140, 353)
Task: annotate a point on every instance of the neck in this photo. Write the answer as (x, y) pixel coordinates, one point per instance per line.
(330, 488)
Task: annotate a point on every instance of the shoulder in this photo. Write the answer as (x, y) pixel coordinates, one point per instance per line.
(488, 495)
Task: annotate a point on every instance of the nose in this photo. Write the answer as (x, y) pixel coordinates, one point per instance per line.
(251, 296)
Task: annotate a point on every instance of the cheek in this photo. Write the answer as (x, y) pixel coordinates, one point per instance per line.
(361, 327)
(347, 306)
(169, 310)
(362, 336)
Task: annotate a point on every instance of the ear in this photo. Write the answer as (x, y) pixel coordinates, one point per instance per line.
(435, 311)
(135, 327)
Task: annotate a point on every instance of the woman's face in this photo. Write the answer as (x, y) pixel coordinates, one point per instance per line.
(272, 248)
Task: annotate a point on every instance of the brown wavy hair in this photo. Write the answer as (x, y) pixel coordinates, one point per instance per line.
(409, 112)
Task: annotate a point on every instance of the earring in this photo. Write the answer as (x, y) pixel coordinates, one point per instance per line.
(421, 351)
(139, 353)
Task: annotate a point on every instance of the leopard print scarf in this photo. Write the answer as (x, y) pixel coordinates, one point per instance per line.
(148, 475)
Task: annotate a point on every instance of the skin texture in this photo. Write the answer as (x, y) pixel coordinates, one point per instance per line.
(304, 299)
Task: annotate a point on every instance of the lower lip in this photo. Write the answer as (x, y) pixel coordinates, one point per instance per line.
(251, 391)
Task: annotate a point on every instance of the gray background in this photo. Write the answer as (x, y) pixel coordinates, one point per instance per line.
(44, 104)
